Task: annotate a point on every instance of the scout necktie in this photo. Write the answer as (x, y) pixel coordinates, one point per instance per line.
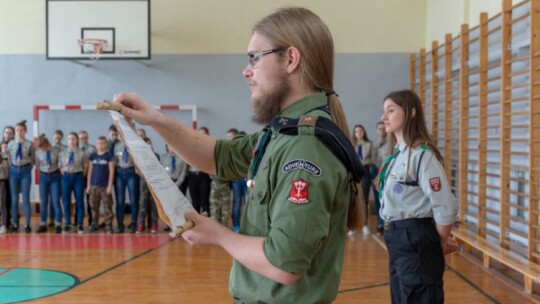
(173, 164)
(48, 158)
(83, 148)
(18, 155)
(70, 161)
(360, 154)
(125, 155)
(384, 168)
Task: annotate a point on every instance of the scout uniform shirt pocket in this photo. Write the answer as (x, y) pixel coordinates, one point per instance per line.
(397, 181)
(258, 197)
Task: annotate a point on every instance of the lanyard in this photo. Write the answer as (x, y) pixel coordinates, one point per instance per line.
(383, 173)
(258, 155)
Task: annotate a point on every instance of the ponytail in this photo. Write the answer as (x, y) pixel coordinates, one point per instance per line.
(356, 197)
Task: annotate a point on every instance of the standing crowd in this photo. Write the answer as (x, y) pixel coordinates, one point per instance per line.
(92, 175)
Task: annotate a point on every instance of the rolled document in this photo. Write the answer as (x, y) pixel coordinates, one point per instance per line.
(171, 203)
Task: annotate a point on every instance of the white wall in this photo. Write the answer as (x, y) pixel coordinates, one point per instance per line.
(446, 16)
(223, 27)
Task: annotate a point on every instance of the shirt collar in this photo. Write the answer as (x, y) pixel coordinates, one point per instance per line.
(303, 105)
(402, 147)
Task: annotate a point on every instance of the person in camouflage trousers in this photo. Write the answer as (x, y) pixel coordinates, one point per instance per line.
(220, 199)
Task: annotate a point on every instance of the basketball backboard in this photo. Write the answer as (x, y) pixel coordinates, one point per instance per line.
(124, 24)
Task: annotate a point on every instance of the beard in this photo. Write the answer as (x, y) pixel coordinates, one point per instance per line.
(268, 105)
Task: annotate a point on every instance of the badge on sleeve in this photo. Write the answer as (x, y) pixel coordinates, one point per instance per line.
(299, 192)
(301, 164)
(435, 184)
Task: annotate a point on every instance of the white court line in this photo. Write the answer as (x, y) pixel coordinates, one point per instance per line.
(383, 245)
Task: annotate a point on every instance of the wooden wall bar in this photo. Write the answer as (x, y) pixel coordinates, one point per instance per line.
(482, 124)
(412, 74)
(434, 89)
(447, 102)
(534, 129)
(481, 92)
(463, 119)
(422, 89)
(506, 110)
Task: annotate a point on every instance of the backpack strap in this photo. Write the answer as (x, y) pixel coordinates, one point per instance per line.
(330, 135)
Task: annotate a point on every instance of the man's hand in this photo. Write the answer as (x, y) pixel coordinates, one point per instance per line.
(206, 231)
(137, 108)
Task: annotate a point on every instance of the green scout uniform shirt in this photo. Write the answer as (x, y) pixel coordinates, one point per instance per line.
(304, 238)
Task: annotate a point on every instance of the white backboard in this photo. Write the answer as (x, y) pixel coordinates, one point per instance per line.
(125, 24)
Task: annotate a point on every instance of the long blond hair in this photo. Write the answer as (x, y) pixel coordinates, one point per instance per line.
(301, 28)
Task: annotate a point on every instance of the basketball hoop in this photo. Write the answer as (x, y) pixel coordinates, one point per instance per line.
(93, 47)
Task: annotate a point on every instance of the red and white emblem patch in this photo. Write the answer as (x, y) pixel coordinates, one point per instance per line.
(435, 184)
(299, 192)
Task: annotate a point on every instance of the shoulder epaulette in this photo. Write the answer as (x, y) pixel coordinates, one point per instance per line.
(331, 136)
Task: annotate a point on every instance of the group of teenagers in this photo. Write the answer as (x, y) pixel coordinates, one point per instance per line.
(92, 174)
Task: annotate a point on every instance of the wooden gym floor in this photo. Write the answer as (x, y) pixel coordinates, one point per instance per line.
(146, 268)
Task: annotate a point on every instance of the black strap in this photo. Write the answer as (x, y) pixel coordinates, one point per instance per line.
(331, 136)
(414, 183)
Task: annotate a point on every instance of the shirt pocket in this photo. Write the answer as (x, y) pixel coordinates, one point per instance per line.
(257, 208)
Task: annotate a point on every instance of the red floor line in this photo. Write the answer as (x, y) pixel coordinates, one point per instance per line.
(16, 266)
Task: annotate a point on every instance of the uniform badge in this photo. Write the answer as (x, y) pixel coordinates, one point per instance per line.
(301, 164)
(398, 188)
(299, 192)
(435, 184)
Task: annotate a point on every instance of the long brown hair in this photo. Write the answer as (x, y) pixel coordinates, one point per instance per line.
(43, 142)
(353, 135)
(301, 28)
(415, 131)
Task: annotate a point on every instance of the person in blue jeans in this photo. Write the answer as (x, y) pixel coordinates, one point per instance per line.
(47, 160)
(22, 155)
(125, 177)
(74, 166)
(57, 138)
(239, 188)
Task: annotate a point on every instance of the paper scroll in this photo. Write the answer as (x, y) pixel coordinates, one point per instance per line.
(171, 203)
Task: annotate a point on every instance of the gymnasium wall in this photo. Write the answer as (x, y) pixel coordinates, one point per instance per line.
(446, 17)
(198, 56)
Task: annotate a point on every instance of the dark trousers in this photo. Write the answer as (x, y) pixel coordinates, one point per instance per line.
(377, 202)
(416, 262)
(199, 189)
(365, 183)
(239, 189)
(87, 204)
(126, 178)
(3, 207)
(184, 186)
(8, 204)
(73, 183)
(50, 187)
(20, 178)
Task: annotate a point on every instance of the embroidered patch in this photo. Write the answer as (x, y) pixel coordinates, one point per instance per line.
(299, 192)
(398, 188)
(435, 184)
(300, 164)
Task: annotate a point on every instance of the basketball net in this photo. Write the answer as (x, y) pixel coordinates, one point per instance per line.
(93, 47)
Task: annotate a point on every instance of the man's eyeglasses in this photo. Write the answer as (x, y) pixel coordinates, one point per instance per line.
(253, 57)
